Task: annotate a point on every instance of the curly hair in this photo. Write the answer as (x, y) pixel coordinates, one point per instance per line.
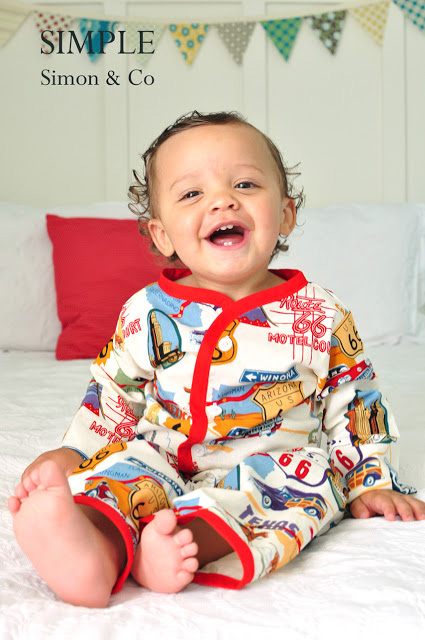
(141, 191)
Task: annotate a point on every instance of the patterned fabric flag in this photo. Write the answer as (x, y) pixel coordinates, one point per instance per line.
(133, 38)
(188, 38)
(236, 36)
(414, 10)
(328, 27)
(373, 19)
(95, 26)
(11, 18)
(52, 22)
(283, 34)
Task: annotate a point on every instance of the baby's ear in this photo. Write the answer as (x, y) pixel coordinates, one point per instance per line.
(289, 217)
(160, 237)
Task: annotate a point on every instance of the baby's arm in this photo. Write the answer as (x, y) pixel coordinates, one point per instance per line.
(117, 384)
(361, 429)
(67, 459)
(388, 503)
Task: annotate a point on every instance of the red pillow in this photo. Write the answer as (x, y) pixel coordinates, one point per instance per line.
(99, 263)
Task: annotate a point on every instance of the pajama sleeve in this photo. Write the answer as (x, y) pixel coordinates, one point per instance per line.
(115, 397)
(357, 419)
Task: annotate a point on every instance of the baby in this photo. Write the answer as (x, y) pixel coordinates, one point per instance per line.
(197, 452)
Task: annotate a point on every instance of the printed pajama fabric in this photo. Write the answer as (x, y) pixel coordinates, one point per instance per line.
(268, 507)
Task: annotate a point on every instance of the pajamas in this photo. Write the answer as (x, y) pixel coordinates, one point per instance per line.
(261, 416)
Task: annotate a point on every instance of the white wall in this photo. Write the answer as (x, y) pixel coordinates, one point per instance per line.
(354, 120)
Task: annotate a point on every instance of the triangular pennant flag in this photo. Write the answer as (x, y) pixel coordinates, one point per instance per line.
(11, 18)
(94, 44)
(188, 38)
(414, 10)
(236, 36)
(52, 22)
(133, 38)
(283, 33)
(328, 27)
(373, 19)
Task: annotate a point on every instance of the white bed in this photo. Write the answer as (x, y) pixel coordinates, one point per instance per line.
(362, 577)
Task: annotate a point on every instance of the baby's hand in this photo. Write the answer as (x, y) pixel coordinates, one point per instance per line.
(389, 504)
(67, 459)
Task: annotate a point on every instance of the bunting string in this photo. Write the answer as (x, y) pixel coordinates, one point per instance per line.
(235, 33)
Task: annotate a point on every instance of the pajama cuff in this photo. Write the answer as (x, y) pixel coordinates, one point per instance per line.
(240, 547)
(118, 520)
(210, 579)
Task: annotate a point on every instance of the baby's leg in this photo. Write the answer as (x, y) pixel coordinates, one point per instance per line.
(168, 555)
(75, 549)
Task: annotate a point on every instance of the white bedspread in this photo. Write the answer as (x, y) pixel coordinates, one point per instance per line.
(362, 577)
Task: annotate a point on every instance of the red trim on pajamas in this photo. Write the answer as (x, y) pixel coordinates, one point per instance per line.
(241, 548)
(231, 309)
(216, 580)
(122, 527)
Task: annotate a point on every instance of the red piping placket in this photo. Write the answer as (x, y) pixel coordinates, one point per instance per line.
(294, 281)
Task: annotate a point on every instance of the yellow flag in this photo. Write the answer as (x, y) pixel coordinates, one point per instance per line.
(373, 19)
(188, 38)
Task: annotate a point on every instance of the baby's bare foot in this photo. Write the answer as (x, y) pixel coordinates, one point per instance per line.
(165, 558)
(64, 546)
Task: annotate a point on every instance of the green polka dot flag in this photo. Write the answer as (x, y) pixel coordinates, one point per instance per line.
(133, 37)
(328, 27)
(414, 10)
(283, 34)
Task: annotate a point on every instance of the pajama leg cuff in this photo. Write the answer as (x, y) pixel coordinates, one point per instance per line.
(118, 520)
(240, 547)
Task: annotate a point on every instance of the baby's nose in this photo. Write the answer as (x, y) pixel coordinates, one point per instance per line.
(222, 200)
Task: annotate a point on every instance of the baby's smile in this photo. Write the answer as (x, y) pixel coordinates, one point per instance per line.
(229, 235)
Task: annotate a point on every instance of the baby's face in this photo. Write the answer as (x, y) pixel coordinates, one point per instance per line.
(219, 202)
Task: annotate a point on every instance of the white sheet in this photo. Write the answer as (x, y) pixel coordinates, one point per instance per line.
(362, 576)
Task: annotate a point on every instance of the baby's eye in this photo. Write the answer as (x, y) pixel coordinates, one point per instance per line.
(245, 185)
(190, 194)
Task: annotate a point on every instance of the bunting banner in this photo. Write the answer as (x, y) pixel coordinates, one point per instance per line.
(328, 27)
(283, 33)
(235, 36)
(133, 38)
(97, 43)
(188, 38)
(373, 19)
(414, 10)
(98, 31)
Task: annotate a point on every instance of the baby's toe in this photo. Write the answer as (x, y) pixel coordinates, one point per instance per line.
(20, 491)
(184, 537)
(13, 505)
(189, 550)
(165, 521)
(190, 564)
(28, 485)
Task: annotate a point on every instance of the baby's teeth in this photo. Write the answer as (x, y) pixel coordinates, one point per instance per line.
(229, 226)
